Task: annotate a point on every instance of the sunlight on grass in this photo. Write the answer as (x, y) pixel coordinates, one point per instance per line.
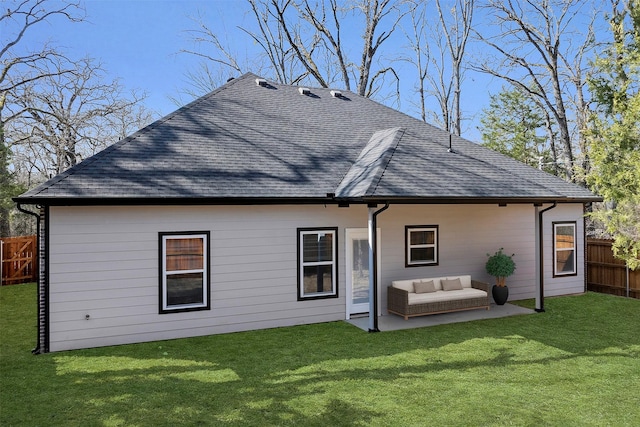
(68, 365)
(115, 421)
(629, 351)
(228, 416)
(207, 376)
(93, 365)
(260, 404)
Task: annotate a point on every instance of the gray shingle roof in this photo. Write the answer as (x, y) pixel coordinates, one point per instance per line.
(246, 142)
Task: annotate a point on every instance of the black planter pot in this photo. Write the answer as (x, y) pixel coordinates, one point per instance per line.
(500, 294)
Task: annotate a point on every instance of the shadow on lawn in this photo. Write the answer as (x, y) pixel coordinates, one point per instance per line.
(124, 390)
(327, 374)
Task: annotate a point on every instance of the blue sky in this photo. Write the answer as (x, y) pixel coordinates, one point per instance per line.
(137, 41)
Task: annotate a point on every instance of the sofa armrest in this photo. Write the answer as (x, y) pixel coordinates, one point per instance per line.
(397, 299)
(481, 285)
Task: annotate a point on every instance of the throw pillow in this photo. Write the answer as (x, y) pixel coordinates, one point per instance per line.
(424, 287)
(451, 285)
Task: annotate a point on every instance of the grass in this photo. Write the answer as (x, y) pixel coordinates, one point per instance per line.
(578, 364)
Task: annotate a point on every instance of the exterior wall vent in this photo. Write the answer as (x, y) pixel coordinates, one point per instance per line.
(261, 82)
(336, 94)
(304, 90)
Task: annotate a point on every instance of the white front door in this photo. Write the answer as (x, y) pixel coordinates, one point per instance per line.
(357, 258)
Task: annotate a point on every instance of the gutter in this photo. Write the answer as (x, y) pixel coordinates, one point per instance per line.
(330, 198)
(38, 347)
(373, 261)
(541, 255)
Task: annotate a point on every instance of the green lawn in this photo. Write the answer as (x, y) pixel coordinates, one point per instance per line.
(578, 364)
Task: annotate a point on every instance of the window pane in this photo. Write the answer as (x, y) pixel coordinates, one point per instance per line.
(425, 237)
(423, 254)
(564, 262)
(185, 254)
(564, 237)
(317, 247)
(317, 278)
(360, 273)
(185, 289)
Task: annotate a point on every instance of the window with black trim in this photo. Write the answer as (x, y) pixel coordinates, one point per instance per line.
(564, 249)
(184, 271)
(317, 263)
(421, 242)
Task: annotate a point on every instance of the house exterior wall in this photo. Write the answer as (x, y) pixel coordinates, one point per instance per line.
(469, 232)
(566, 285)
(104, 263)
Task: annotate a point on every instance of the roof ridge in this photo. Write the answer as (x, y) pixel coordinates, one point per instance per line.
(365, 173)
(398, 134)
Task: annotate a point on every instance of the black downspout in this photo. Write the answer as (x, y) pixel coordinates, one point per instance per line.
(45, 280)
(585, 209)
(37, 349)
(540, 237)
(374, 242)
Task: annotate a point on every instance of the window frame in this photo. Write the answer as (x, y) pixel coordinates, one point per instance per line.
(163, 305)
(408, 262)
(555, 226)
(301, 232)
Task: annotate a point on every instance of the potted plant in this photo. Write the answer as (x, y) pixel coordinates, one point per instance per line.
(501, 266)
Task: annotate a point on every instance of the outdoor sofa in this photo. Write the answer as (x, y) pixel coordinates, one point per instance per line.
(418, 297)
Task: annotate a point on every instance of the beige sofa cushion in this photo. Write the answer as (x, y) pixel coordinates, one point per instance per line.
(424, 287)
(446, 296)
(407, 285)
(451, 284)
(465, 280)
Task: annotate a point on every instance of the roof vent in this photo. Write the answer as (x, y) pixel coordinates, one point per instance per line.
(450, 149)
(336, 94)
(261, 82)
(304, 90)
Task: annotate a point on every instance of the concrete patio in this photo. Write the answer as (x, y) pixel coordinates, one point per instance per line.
(391, 322)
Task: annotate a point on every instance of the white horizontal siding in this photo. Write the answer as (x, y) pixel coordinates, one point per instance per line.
(253, 271)
(104, 263)
(104, 337)
(554, 286)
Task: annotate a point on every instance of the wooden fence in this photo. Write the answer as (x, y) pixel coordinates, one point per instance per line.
(607, 274)
(18, 256)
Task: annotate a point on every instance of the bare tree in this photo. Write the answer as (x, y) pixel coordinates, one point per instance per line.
(456, 32)
(575, 71)
(303, 41)
(419, 48)
(220, 62)
(532, 51)
(21, 69)
(65, 117)
(319, 48)
(439, 57)
(17, 20)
